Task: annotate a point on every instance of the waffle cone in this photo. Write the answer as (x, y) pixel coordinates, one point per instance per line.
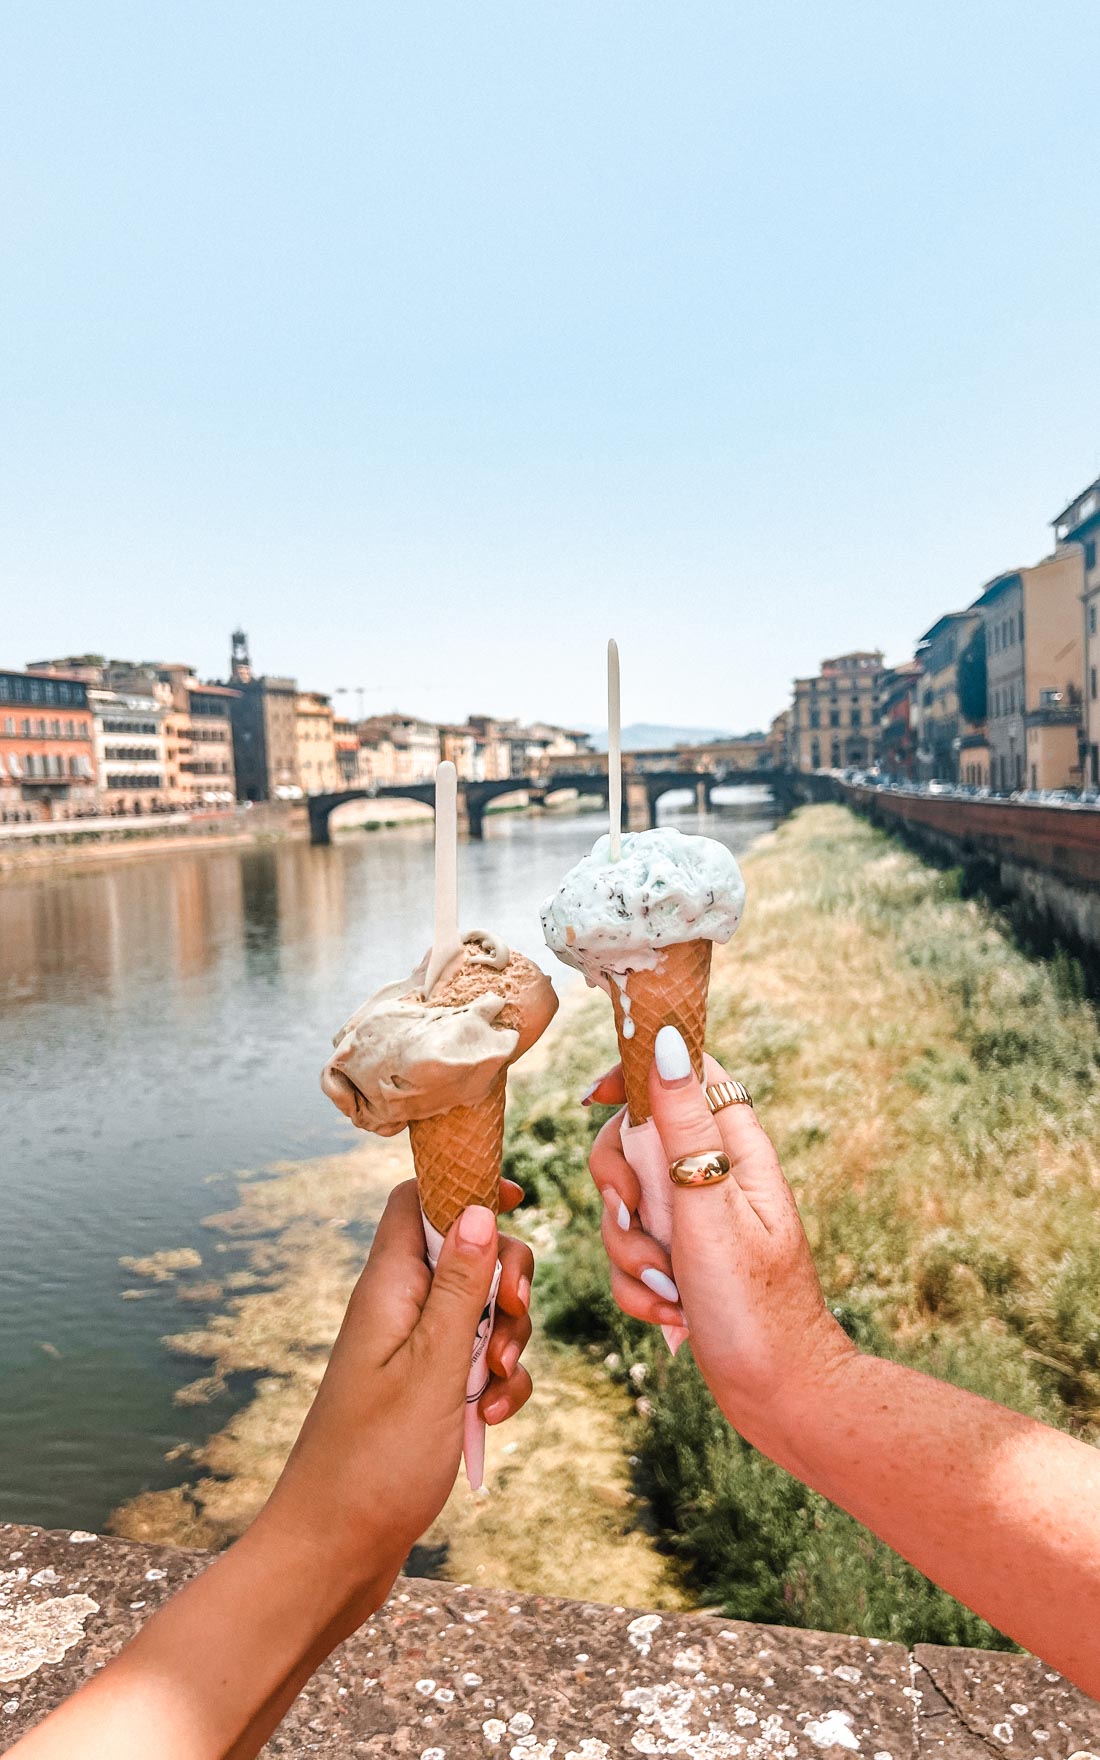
(457, 1157)
(673, 994)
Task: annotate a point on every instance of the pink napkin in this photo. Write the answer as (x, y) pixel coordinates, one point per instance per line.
(644, 1151)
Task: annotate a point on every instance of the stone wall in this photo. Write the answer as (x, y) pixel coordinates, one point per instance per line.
(1045, 859)
(446, 1672)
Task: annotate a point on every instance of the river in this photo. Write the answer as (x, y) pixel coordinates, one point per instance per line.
(162, 1024)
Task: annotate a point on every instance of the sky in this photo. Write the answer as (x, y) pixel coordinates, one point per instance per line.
(435, 342)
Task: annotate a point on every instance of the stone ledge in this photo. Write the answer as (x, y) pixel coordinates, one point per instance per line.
(446, 1672)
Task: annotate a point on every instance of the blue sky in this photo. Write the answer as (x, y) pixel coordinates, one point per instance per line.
(437, 342)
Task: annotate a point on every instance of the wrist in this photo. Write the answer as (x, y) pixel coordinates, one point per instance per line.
(350, 1569)
(783, 1423)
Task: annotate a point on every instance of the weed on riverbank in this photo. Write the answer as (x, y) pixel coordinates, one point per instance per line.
(933, 1096)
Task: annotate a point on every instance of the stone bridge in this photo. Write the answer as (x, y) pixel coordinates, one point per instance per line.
(642, 789)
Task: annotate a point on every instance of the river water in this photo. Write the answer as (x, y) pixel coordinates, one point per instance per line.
(163, 1021)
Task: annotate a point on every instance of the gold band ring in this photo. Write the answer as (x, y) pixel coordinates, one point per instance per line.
(700, 1170)
(721, 1094)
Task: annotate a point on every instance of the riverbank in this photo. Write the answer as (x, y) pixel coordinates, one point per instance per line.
(26, 848)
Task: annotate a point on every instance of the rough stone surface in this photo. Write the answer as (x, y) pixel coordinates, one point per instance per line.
(451, 1673)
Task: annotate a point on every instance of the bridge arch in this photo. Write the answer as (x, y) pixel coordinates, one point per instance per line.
(642, 790)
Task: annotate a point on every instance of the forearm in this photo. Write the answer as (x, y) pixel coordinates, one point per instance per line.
(214, 1670)
(268, 1719)
(1001, 1511)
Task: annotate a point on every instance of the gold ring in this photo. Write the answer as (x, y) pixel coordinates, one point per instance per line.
(700, 1170)
(721, 1094)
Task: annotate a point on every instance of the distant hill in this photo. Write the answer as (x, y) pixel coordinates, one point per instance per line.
(640, 735)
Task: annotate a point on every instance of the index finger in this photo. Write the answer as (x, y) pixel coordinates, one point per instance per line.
(610, 1168)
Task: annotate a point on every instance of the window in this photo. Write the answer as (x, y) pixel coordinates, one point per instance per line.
(1092, 684)
(26, 727)
(40, 727)
(1090, 554)
(70, 730)
(834, 717)
(55, 728)
(9, 723)
(1021, 624)
(1092, 620)
(815, 718)
(856, 718)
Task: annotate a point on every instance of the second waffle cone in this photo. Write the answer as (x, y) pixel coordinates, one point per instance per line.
(672, 994)
(457, 1157)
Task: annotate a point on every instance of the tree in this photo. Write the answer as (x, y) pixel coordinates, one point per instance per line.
(973, 677)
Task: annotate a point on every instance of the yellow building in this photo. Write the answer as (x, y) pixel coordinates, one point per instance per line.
(318, 769)
(1034, 641)
(832, 718)
(459, 744)
(1079, 524)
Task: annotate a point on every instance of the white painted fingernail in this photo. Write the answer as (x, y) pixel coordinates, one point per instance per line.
(660, 1284)
(617, 1208)
(672, 1056)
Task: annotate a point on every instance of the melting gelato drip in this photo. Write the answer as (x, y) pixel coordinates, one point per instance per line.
(612, 918)
(405, 1056)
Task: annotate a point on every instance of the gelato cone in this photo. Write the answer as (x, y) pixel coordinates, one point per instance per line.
(439, 1064)
(457, 1157)
(642, 929)
(672, 994)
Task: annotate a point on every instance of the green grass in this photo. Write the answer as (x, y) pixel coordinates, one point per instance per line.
(933, 1095)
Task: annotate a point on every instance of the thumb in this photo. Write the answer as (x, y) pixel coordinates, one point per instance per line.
(460, 1290)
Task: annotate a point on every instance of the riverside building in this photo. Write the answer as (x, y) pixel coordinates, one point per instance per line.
(832, 723)
(47, 748)
(131, 750)
(346, 739)
(198, 738)
(318, 769)
(1034, 661)
(265, 730)
(1079, 524)
(944, 721)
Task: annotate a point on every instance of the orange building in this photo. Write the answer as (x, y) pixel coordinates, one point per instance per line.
(47, 748)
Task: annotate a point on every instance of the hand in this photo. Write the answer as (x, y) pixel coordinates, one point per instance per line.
(740, 1261)
(381, 1446)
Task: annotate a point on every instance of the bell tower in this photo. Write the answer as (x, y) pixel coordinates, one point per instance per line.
(240, 666)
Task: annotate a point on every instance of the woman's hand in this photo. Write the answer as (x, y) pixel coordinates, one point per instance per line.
(381, 1446)
(740, 1263)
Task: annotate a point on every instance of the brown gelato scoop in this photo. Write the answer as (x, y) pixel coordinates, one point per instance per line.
(404, 1057)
